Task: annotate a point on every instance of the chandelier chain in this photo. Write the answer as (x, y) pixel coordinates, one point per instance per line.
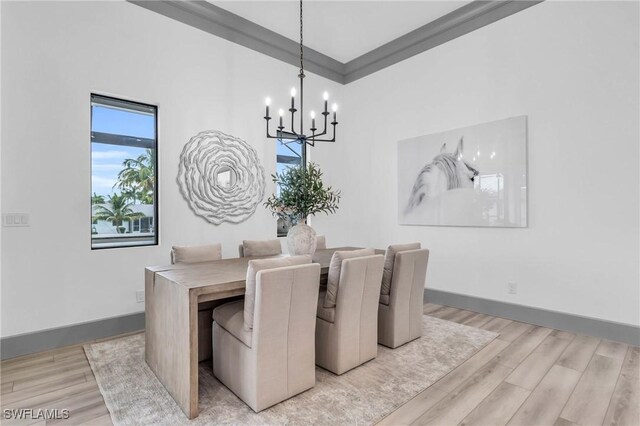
(301, 51)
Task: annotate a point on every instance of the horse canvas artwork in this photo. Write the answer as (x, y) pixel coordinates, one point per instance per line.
(473, 176)
(444, 173)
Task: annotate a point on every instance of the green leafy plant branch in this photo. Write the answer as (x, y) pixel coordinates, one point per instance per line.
(302, 194)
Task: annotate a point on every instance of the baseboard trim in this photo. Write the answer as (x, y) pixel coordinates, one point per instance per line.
(44, 340)
(53, 338)
(610, 330)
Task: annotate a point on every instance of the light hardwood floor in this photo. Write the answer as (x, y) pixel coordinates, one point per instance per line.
(529, 375)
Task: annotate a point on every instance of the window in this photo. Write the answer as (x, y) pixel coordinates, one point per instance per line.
(289, 154)
(124, 144)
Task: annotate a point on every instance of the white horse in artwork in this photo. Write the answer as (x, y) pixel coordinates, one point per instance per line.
(444, 173)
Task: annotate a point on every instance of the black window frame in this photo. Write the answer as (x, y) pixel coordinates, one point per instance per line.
(144, 107)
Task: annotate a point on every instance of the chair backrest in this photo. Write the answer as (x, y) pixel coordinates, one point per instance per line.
(409, 271)
(359, 289)
(335, 268)
(254, 267)
(407, 285)
(285, 306)
(389, 259)
(260, 248)
(357, 307)
(196, 254)
(321, 242)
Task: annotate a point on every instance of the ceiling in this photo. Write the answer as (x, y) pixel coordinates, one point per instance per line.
(343, 30)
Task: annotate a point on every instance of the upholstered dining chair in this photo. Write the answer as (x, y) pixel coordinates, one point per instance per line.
(401, 295)
(196, 254)
(199, 254)
(321, 242)
(346, 328)
(263, 346)
(250, 248)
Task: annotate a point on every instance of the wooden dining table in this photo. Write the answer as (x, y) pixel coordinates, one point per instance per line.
(172, 296)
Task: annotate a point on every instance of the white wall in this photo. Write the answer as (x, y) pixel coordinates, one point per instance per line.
(572, 67)
(53, 56)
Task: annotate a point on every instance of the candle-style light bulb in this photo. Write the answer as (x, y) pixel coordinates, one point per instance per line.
(281, 114)
(267, 102)
(325, 96)
(334, 107)
(293, 92)
(293, 97)
(312, 114)
(313, 120)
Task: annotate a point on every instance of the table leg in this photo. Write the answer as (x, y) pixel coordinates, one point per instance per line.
(171, 351)
(193, 355)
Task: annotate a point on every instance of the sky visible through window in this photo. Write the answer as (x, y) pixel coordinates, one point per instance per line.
(283, 150)
(119, 122)
(107, 159)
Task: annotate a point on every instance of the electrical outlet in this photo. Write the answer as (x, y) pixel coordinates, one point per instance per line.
(15, 219)
(140, 296)
(512, 288)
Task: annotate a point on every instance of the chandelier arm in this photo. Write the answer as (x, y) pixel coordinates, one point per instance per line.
(293, 131)
(293, 114)
(311, 142)
(321, 134)
(269, 135)
(333, 139)
(316, 137)
(324, 131)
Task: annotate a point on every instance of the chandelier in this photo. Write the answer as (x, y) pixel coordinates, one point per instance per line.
(287, 136)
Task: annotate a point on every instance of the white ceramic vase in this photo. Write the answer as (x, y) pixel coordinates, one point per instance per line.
(301, 239)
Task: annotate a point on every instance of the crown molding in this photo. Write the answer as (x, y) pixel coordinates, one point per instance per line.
(464, 20)
(229, 26)
(222, 23)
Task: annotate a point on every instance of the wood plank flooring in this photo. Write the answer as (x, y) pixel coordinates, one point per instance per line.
(529, 375)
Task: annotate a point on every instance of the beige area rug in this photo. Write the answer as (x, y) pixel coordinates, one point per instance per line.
(361, 396)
